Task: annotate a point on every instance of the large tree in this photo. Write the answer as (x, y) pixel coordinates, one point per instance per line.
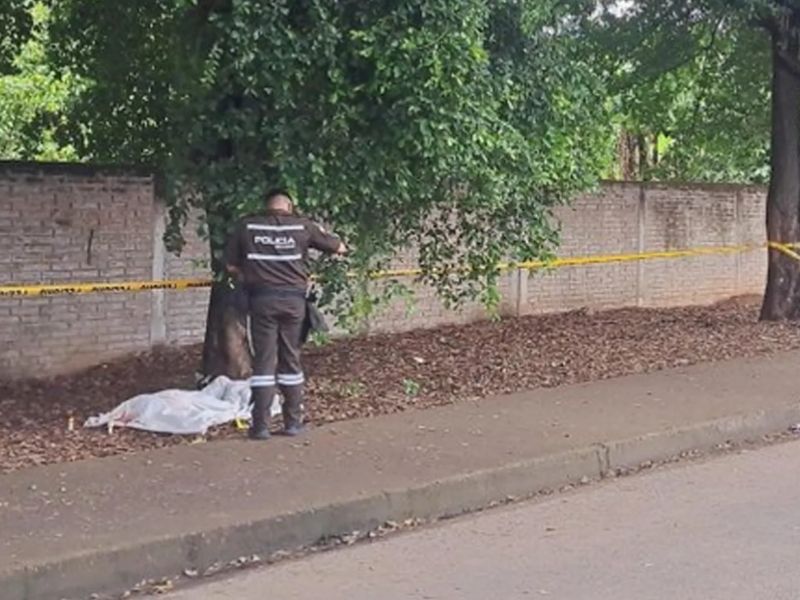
(742, 54)
(450, 126)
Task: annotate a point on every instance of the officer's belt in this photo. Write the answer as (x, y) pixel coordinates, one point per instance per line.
(262, 289)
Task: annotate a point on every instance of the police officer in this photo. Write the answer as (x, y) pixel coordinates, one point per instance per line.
(268, 253)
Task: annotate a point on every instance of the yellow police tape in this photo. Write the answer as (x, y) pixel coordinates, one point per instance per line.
(787, 249)
(185, 284)
(88, 288)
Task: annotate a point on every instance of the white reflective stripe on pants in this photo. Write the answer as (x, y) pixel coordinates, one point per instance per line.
(291, 379)
(262, 380)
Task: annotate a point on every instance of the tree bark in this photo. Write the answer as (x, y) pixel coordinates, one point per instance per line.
(627, 154)
(782, 295)
(656, 156)
(641, 146)
(226, 349)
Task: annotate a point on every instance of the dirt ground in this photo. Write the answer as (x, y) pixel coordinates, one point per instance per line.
(389, 373)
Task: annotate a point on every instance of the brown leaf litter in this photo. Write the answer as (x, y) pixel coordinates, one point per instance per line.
(369, 376)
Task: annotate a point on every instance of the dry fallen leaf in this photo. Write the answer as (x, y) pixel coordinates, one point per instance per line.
(163, 586)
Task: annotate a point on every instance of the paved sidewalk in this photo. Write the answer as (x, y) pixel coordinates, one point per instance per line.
(107, 523)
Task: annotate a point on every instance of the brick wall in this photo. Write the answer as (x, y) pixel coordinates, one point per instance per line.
(637, 218)
(65, 223)
(185, 311)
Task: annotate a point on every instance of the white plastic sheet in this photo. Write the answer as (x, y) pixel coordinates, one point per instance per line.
(182, 411)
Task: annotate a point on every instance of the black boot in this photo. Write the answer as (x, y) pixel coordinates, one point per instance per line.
(259, 426)
(292, 410)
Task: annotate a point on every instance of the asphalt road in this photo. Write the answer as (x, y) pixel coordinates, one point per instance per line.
(726, 529)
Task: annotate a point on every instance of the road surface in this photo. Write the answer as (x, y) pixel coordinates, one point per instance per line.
(726, 529)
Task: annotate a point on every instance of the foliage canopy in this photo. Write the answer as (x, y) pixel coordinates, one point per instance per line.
(453, 126)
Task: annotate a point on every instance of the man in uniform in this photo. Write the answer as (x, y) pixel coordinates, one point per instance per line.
(268, 253)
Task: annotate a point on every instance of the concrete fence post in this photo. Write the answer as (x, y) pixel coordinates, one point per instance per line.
(739, 239)
(158, 317)
(518, 292)
(641, 215)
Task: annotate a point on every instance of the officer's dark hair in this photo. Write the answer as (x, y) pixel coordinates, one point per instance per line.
(277, 192)
(274, 193)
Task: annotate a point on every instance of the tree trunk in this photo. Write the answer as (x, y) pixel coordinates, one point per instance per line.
(631, 167)
(656, 156)
(644, 163)
(627, 156)
(226, 350)
(782, 296)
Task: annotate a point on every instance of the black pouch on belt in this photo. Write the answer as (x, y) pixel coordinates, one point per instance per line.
(313, 322)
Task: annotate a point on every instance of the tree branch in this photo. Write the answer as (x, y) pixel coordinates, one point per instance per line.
(690, 57)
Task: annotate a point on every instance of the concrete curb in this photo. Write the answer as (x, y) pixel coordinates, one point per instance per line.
(121, 567)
